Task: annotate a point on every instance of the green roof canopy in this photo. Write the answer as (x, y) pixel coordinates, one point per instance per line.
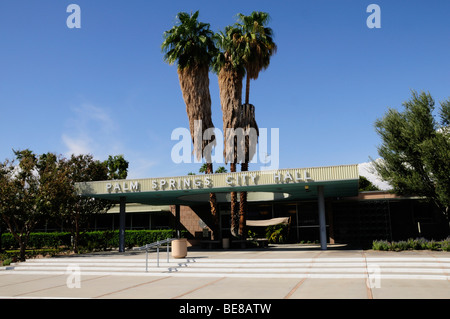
(282, 184)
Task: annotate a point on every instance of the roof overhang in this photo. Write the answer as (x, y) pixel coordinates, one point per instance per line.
(282, 184)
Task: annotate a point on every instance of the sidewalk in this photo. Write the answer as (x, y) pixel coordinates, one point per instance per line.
(240, 274)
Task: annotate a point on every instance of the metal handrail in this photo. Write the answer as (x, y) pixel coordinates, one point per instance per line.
(156, 244)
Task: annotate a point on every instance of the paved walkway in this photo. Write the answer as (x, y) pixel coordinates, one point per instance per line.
(284, 272)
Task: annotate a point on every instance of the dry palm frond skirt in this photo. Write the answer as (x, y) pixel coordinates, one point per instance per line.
(194, 83)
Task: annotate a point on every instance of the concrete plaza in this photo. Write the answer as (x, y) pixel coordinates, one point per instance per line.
(277, 272)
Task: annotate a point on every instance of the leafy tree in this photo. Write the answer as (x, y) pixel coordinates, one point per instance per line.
(117, 167)
(415, 150)
(31, 187)
(76, 210)
(366, 185)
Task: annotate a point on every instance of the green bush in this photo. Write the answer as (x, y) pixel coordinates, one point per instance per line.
(445, 244)
(14, 254)
(89, 241)
(381, 245)
(414, 244)
(277, 234)
(38, 240)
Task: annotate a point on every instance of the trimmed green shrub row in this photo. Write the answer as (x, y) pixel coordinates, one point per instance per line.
(38, 240)
(102, 240)
(412, 244)
(95, 240)
(9, 256)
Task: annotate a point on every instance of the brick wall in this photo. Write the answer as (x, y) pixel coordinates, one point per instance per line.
(189, 219)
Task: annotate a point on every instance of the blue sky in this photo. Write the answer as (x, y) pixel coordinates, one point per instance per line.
(104, 89)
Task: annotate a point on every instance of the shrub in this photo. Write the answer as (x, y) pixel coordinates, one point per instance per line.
(381, 245)
(276, 234)
(416, 244)
(89, 241)
(445, 244)
(432, 245)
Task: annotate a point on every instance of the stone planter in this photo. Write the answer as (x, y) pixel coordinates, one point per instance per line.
(179, 248)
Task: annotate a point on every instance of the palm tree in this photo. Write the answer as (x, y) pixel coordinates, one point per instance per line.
(207, 169)
(220, 169)
(190, 44)
(228, 65)
(257, 47)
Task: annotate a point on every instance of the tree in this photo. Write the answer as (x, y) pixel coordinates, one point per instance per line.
(190, 44)
(257, 47)
(76, 211)
(365, 185)
(221, 169)
(203, 168)
(415, 150)
(229, 67)
(31, 187)
(257, 43)
(117, 167)
(207, 169)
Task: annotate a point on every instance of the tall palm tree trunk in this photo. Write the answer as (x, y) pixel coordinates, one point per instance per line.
(230, 85)
(247, 90)
(244, 168)
(194, 83)
(248, 122)
(213, 205)
(234, 209)
(243, 206)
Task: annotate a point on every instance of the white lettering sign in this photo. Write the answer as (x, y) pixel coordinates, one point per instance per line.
(208, 181)
(122, 187)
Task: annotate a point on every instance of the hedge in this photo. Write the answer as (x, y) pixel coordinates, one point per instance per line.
(412, 244)
(94, 240)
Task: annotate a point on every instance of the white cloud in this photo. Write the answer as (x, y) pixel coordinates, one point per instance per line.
(76, 146)
(91, 130)
(140, 167)
(367, 170)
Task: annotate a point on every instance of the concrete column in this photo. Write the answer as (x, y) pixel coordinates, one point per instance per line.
(122, 224)
(322, 221)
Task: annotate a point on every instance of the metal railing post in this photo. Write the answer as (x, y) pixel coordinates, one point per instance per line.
(157, 253)
(157, 244)
(146, 259)
(167, 251)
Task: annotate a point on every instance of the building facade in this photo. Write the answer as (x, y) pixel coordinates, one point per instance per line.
(322, 205)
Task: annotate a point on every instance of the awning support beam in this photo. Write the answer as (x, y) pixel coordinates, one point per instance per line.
(122, 224)
(322, 222)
